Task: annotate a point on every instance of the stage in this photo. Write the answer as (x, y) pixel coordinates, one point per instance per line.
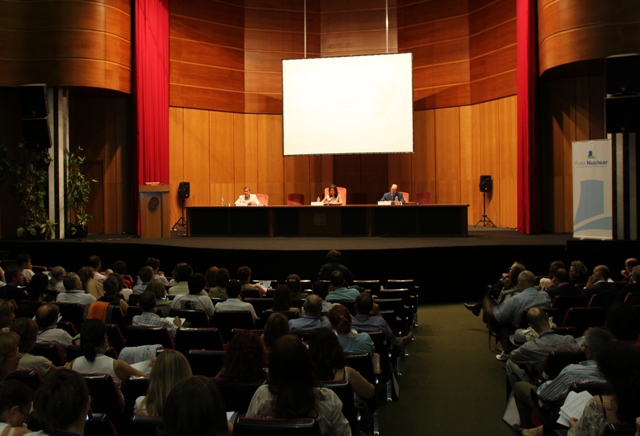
(446, 268)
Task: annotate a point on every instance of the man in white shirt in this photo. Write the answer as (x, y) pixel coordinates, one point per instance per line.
(47, 319)
(73, 291)
(194, 299)
(248, 198)
(234, 302)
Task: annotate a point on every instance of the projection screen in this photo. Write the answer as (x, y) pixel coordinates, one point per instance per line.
(340, 105)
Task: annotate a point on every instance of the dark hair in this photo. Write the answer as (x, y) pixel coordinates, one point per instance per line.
(245, 359)
(562, 275)
(22, 258)
(92, 335)
(277, 326)
(293, 283)
(85, 273)
(60, 400)
(336, 278)
(604, 271)
(282, 299)
(619, 363)
(211, 277)
(334, 256)
(194, 407)
(156, 287)
(515, 272)
(152, 262)
(340, 319)
(243, 273)
(14, 393)
(27, 329)
(111, 285)
(94, 261)
(364, 303)
(321, 289)
(580, 267)
(326, 353)
(146, 274)
(291, 379)
(70, 281)
(233, 288)
(335, 190)
(623, 321)
(222, 277)
(47, 314)
(555, 266)
(120, 267)
(184, 272)
(11, 273)
(196, 283)
(37, 286)
(147, 301)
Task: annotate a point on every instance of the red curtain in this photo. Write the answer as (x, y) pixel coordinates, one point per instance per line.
(529, 180)
(151, 89)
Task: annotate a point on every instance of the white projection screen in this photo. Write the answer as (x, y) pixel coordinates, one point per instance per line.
(348, 105)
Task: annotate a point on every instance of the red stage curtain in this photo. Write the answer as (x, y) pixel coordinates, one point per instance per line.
(151, 89)
(529, 180)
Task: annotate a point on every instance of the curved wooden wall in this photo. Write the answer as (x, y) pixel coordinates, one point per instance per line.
(582, 30)
(66, 43)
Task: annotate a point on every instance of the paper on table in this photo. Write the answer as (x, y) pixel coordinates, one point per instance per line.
(171, 318)
(573, 406)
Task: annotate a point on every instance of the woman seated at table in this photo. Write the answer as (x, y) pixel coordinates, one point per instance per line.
(248, 198)
(333, 197)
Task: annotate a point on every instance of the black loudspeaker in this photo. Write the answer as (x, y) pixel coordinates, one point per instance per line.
(623, 74)
(33, 101)
(36, 133)
(184, 190)
(486, 184)
(622, 114)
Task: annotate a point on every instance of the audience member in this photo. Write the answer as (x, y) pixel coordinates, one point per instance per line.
(502, 290)
(49, 333)
(351, 341)
(150, 318)
(312, 318)
(112, 287)
(244, 277)
(222, 280)
(338, 292)
(294, 285)
(157, 274)
(234, 302)
(89, 284)
(120, 267)
(634, 282)
(333, 264)
(210, 279)
(9, 354)
(194, 407)
(561, 285)
(629, 264)
(57, 276)
(156, 287)
(282, 301)
(579, 273)
(37, 288)
(599, 284)
(96, 265)
(27, 329)
(368, 317)
(277, 326)
(182, 276)
(169, 368)
(245, 359)
(15, 407)
(7, 309)
(14, 289)
(321, 289)
(73, 291)
(292, 391)
(196, 299)
(145, 275)
(23, 262)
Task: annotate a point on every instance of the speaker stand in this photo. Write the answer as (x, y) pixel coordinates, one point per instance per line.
(182, 221)
(485, 218)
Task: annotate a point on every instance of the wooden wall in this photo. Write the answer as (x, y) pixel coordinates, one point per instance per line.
(66, 43)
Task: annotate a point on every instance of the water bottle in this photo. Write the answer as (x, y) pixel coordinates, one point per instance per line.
(318, 200)
(222, 201)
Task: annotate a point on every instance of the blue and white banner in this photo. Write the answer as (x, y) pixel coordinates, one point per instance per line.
(592, 189)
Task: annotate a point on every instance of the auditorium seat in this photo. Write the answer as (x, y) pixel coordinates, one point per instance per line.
(405, 195)
(51, 352)
(198, 339)
(275, 427)
(263, 199)
(295, 199)
(206, 363)
(143, 335)
(237, 396)
(341, 191)
(423, 197)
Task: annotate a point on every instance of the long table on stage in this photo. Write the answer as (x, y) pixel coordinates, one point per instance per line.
(350, 220)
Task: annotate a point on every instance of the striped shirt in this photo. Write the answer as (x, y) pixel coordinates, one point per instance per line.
(583, 372)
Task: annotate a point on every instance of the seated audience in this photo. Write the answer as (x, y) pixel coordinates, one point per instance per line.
(629, 264)
(15, 407)
(49, 333)
(244, 277)
(333, 264)
(27, 329)
(599, 284)
(150, 318)
(23, 262)
(579, 273)
(245, 359)
(282, 301)
(145, 275)
(338, 291)
(9, 354)
(634, 282)
(312, 318)
(502, 290)
(368, 318)
(7, 309)
(234, 302)
(157, 274)
(58, 274)
(293, 283)
(112, 286)
(73, 292)
(14, 289)
(169, 368)
(277, 326)
(158, 289)
(210, 279)
(196, 299)
(293, 392)
(561, 285)
(222, 280)
(37, 288)
(351, 341)
(120, 267)
(321, 290)
(183, 273)
(194, 407)
(98, 275)
(89, 283)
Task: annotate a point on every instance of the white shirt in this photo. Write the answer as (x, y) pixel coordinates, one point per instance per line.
(235, 304)
(252, 199)
(75, 296)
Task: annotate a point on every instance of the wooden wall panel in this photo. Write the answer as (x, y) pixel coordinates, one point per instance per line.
(196, 149)
(508, 171)
(221, 173)
(66, 43)
(176, 160)
(447, 125)
(270, 159)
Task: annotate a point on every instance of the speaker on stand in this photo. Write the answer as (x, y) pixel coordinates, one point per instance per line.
(486, 186)
(184, 191)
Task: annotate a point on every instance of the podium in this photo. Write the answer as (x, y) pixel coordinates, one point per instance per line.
(154, 211)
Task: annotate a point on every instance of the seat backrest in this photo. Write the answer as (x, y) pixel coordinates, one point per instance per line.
(401, 284)
(382, 349)
(263, 199)
(341, 191)
(142, 335)
(372, 285)
(344, 391)
(100, 425)
(198, 339)
(227, 320)
(68, 327)
(72, 312)
(134, 387)
(584, 317)
(116, 339)
(195, 317)
(131, 312)
(207, 363)
(362, 363)
(275, 427)
(423, 197)
(237, 396)
(259, 304)
(405, 195)
(295, 199)
(604, 301)
(105, 395)
(51, 351)
(30, 378)
(143, 425)
(27, 309)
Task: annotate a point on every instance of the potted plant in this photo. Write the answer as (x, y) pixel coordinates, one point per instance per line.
(78, 190)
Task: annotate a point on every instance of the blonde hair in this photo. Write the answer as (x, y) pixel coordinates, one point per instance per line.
(7, 307)
(340, 319)
(157, 287)
(169, 368)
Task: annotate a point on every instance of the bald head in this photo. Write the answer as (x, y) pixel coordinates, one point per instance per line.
(538, 319)
(312, 305)
(394, 189)
(47, 315)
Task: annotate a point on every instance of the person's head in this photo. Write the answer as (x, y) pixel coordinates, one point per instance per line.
(526, 279)
(623, 322)
(222, 277)
(9, 354)
(153, 263)
(326, 353)
(176, 268)
(514, 272)
(538, 319)
(619, 363)
(555, 265)
(147, 301)
(194, 407)
(15, 402)
(7, 309)
(312, 305)
(47, 315)
(111, 286)
(243, 274)
(210, 277)
(37, 286)
(601, 272)
(23, 261)
(93, 335)
(336, 279)
(72, 282)
(85, 273)
(334, 256)
(196, 283)
(277, 326)
(120, 267)
(393, 189)
(57, 274)
(595, 339)
(333, 191)
(364, 303)
(27, 329)
(293, 283)
(291, 378)
(630, 263)
(156, 287)
(169, 368)
(282, 298)
(245, 359)
(340, 319)
(13, 275)
(184, 273)
(247, 192)
(95, 263)
(635, 273)
(62, 401)
(561, 276)
(577, 269)
(233, 289)
(146, 274)
(320, 289)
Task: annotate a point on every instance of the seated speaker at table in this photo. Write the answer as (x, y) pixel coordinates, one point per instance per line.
(393, 195)
(333, 196)
(247, 198)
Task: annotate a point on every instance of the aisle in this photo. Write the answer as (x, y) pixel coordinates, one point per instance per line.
(452, 384)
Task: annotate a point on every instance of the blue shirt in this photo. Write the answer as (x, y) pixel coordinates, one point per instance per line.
(361, 343)
(343, 294)
(308, 323)
(509, 312)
